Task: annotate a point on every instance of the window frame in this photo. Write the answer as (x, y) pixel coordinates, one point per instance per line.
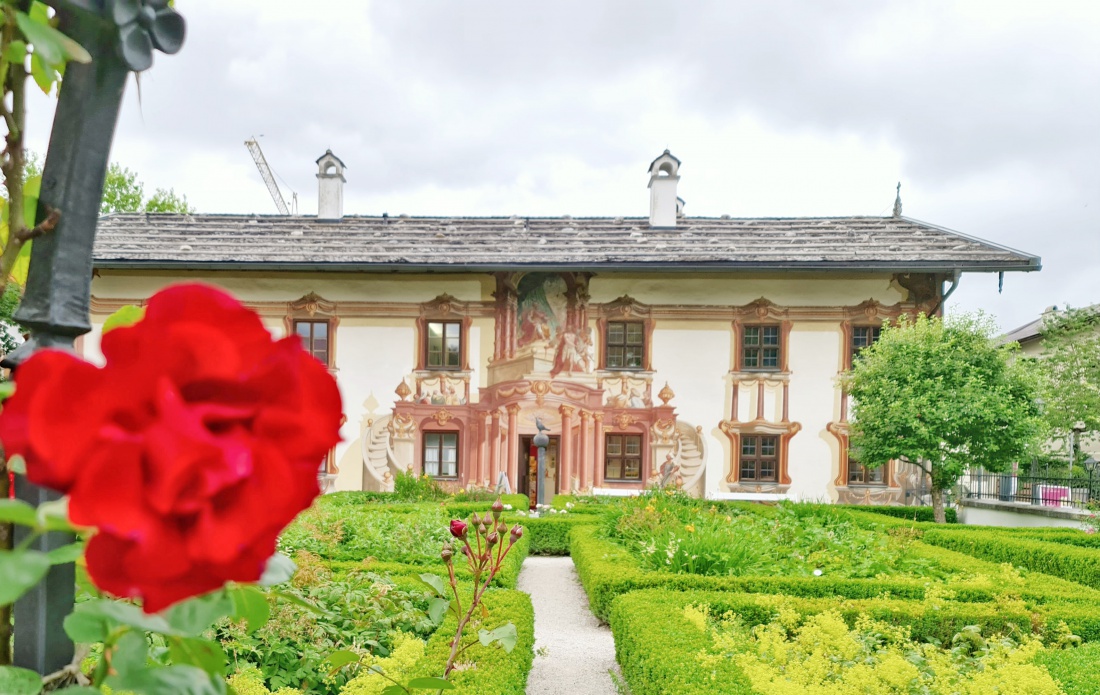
(623, 456)
(329, 337)
(427, 340)
(759, 347)
(854, 465)
(424, 448)
(759, 458)
(874, 332)
(625, 344)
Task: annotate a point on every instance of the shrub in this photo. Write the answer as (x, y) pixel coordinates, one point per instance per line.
(363, 612)
(410, 487)
(356, 533)
(659, 644)
(549, 535)
(924, 514)
(487, 670)
(398, 665)
(1076, 670)
(1081, 565)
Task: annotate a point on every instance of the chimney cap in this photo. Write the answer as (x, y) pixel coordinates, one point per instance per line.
(328, 155)
(667, 163)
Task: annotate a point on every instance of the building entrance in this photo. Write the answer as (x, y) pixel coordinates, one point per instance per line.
(528, 468)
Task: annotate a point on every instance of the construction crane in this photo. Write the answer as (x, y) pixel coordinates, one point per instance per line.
(269, 178)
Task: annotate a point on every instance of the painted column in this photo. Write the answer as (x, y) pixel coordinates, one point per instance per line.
(486, 444)
(513, 446)
(597, 473)
(565, 461)
(584, 458)
(494, 451)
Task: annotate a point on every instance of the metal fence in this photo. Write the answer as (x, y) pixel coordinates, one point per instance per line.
(1031, 489)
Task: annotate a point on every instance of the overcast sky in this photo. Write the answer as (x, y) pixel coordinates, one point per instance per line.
(987, 112)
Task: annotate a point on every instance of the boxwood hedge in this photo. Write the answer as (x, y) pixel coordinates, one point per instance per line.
(1076, 564)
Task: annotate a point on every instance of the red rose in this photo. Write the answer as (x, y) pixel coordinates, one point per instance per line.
(190, 451)
(458, 529)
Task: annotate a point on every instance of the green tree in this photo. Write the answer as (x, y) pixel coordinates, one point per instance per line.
(942, 395)
(1071, 371)
(123, 192)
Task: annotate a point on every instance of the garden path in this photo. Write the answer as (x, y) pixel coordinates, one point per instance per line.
(579, 651)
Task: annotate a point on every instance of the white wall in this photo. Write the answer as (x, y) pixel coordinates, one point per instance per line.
(814, 360)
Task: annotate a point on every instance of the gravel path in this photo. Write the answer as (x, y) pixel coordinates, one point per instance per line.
(579, 651)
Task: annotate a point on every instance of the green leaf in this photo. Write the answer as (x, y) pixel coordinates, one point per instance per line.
(16, 52)
(177, 679)
(430, 683)
(250, 604)
(126, 316)
(437, 608)
(206, 654)
(7, 389)
(54, 516)
(31, 189)
(298, 601)
(17, 511)
(195, 615)
(393, 690)
(19, 571)
(280, 568)
(19, 681)
(84, 628)
(340, 659)
(505, 634)
(44, 76)
(130, 654)
(435, 583)
(66, 554)
(17, 465)
(51, 44)
(128, 614)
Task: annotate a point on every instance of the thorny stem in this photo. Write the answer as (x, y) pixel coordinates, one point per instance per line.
(480, 588)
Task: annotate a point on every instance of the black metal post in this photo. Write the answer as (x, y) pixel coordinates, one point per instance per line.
(120, 37)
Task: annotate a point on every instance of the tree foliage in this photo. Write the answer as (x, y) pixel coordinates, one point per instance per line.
(123, 192)
(1071, 372)
(942, 395)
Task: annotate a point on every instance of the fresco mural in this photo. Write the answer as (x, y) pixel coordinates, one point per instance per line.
(542, 310)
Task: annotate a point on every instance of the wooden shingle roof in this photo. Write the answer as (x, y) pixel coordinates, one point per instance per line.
(466, 243)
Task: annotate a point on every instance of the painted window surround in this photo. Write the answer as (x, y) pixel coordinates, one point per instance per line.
(315, 309)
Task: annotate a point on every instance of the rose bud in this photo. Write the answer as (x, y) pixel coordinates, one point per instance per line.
(458, 529)
(464, 550)
(482, 530)
(497, 508)
(517, 533)
(493, 538)
(502, 527)
(447, 553)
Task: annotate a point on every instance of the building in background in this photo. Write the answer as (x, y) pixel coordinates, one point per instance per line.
(707, 346)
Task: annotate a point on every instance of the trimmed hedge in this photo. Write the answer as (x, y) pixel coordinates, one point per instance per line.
(657, 646)
(507, 577)
(549, 535)
(924, 514)
(607, 570)
(1076, 670)
(491, 670)
(1081, 565)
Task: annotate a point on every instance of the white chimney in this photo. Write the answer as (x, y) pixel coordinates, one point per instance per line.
(330, 187)
(663, 203)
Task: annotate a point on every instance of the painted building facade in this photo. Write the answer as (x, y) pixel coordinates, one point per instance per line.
(701, 351)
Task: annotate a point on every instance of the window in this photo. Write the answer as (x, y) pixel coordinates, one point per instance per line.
(760, 347)
(623, 457)
(625, 345)
(759, 457)
(314, 335)
(444, 345)
(858, 475)
(863, 336)
(441, 454)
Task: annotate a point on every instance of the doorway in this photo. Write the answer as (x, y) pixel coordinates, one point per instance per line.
(528, 468)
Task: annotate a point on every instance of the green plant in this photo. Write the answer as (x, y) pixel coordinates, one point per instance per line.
(410, 487)
(359, 612)
(942, 395)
